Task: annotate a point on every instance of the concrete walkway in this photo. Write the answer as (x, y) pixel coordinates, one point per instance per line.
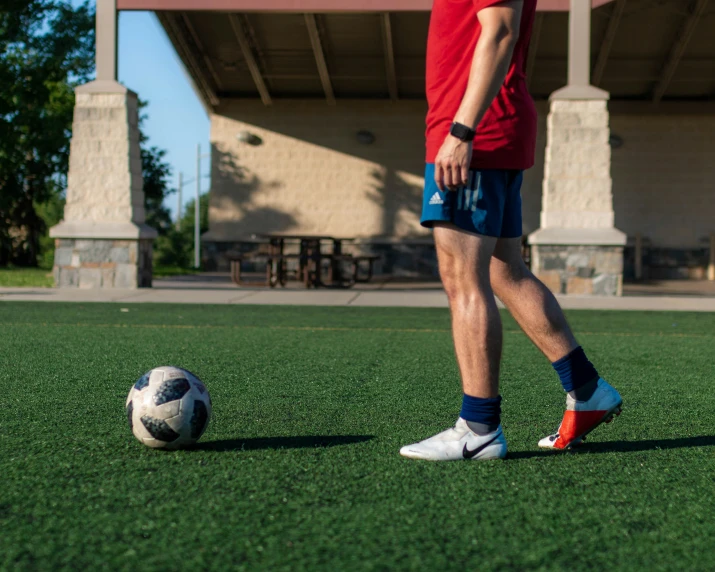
(217, 290)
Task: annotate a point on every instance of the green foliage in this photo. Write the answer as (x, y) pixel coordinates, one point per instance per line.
(156, 173)
(173, 249)
(176, 247)
(189, 216)
(46, 49)
(51, 212)
(25, 278)
(164, 271)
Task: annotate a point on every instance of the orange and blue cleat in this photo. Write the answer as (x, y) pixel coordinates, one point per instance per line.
(582, 417)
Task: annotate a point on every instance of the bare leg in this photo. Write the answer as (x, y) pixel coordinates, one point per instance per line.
(533, 305)
(538, 313)
(464, 261)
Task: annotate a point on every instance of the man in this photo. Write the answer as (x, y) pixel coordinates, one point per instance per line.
(476, 59)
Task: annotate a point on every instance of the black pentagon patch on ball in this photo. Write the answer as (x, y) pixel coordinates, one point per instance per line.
(199, 418)
(159, 429)
(172, 390)
(130, 411)
(142, 382)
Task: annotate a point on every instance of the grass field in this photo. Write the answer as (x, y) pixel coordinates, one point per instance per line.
(299, 469)
(25, 278)
(42, 278)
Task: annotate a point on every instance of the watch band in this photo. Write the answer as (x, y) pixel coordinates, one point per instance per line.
(462, 132)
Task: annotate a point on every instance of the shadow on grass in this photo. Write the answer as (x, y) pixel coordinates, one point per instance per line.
(302, 442)
(624, 447)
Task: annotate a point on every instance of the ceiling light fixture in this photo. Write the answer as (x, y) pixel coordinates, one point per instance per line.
(365, 137)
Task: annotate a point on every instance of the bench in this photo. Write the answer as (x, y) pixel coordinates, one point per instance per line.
(237, 277)
(308, 269)
(358, 263)
(276, 268)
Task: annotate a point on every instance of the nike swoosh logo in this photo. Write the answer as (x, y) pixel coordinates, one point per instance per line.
(467, 454)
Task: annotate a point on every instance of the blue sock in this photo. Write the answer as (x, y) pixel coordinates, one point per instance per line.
(481, 414)
(578, 376)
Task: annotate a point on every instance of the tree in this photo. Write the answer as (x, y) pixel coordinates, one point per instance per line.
(188, 221)
(46, 49)
(176, 247)
(156, 174)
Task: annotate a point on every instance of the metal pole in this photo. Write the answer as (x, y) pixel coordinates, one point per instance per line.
(197, 211)
(178, 205)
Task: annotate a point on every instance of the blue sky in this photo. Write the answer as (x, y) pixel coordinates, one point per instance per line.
(176, 120)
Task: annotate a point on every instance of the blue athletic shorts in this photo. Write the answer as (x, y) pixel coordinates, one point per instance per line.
(490, 204)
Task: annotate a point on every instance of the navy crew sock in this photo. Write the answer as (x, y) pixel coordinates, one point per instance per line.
(481, 414)
(578, 376)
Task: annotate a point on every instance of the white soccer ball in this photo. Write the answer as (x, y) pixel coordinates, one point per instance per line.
(168, 408)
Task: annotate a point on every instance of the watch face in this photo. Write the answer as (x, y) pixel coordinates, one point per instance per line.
(461, 132)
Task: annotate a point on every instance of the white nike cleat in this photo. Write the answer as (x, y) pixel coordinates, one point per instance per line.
(459, 442)
(582, 417)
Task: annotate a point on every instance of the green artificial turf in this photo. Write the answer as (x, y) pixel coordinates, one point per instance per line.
(26, 278)
(299, 469)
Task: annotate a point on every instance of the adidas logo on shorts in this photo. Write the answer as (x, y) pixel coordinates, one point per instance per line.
(436, 200)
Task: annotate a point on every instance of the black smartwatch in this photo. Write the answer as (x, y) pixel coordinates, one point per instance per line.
(462, 132)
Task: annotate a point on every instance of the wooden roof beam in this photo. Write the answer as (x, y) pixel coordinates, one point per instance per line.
(207, 93)
(678, 49)
(389, 50)
(202, 51)
(245, 46)
(312, 24)
(607, 42)
(314, 6)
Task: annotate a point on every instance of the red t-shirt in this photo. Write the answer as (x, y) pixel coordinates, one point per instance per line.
(506, 136)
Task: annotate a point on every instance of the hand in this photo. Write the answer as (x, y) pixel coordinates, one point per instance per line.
(451, 167)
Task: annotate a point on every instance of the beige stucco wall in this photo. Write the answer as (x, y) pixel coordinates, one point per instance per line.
(534, 178)
(664, 177)
(311, 175)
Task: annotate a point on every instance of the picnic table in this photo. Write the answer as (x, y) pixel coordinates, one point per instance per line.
(308, 258)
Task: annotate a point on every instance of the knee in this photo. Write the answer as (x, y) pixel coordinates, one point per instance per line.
(450, 281)
(463, 284)
(463, 291)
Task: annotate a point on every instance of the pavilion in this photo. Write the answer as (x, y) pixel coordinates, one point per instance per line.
(317, 121)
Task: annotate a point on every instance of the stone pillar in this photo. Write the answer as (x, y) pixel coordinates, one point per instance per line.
(103, 241)
(578, 250)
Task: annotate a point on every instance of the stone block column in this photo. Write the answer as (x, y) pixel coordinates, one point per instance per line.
(103, 241)
(577, 249)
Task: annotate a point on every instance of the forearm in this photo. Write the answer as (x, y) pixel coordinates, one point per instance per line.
(490, 64)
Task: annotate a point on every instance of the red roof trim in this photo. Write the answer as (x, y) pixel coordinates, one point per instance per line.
(312, 5)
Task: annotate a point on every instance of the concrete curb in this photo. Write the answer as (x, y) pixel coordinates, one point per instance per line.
(381, 298)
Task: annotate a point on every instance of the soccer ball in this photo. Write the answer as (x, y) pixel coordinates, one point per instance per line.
(168, 408)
